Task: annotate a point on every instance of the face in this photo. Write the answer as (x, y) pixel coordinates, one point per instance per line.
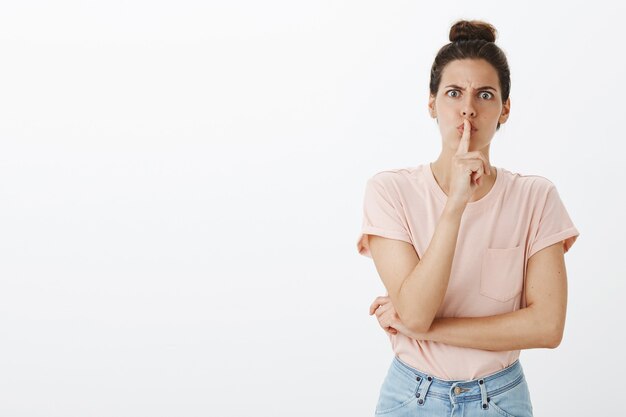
(463, 94)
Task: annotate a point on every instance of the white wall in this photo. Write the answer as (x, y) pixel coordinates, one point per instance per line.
(181, 187)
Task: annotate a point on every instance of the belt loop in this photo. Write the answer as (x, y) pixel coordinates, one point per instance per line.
(423, 390)
(483, 394)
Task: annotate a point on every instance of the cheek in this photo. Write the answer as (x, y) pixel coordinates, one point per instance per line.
(446, 119)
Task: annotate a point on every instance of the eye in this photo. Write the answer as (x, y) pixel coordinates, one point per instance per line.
(489, 95)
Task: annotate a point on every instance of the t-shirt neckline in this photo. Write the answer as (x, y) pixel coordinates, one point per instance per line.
(471, 206)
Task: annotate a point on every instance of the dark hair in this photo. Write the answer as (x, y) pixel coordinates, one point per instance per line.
(472, 39)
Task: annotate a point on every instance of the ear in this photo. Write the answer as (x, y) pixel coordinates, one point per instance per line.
(431, 106)
(506, 108)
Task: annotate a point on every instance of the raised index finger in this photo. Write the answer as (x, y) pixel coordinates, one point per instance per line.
(465, 138)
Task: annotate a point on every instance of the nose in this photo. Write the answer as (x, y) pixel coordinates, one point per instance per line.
(468, 108)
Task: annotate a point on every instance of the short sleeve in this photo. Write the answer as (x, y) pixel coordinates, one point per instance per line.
(554, 225)
(382, 215)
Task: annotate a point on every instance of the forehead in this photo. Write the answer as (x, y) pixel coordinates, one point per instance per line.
(470, 72)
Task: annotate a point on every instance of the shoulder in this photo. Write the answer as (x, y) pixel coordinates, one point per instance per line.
(394, 178)
(528, 184)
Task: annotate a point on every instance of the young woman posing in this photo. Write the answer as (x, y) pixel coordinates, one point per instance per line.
(471, 255)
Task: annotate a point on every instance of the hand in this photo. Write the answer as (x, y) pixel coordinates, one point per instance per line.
(386, 314)
(389, 320)
(467, 168)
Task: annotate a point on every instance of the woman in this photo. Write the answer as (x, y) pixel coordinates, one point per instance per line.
(471, 254)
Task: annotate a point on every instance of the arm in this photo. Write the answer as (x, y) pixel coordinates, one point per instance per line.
(417, 287)
(539, 325)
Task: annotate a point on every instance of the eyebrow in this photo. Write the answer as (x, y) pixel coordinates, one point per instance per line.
(479, 88)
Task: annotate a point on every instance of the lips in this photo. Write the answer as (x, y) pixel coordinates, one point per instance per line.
(461, 127)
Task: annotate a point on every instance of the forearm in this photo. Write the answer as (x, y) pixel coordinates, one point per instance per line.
(521, 329)
(422, 292)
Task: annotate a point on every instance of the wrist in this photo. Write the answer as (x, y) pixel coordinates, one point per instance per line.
(454, 207)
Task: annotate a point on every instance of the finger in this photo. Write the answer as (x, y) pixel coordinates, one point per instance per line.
(378, 301)
(383, 323)
(486, 167)
(373, 307)
(465, 138)
(476, 178)
(379, 309)
(473, 167)
(382, 309)
(479, 155)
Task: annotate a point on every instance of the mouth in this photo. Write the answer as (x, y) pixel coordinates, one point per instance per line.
(461, 127)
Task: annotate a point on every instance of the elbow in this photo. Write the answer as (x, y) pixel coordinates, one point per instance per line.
(421, 326)
(553, 337)
(414, 325)
(418, 321)
(550, 327)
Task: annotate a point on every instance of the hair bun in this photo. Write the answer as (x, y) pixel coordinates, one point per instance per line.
(471, 30)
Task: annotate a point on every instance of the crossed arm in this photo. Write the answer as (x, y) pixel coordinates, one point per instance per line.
(539, 325)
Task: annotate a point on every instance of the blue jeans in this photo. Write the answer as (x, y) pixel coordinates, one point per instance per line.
(407, 391)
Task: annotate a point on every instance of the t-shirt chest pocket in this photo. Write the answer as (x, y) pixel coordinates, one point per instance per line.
(502, 273)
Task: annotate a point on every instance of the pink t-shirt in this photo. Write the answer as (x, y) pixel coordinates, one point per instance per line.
(520, 215)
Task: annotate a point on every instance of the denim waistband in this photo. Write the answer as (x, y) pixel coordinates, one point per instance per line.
(463, 390)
